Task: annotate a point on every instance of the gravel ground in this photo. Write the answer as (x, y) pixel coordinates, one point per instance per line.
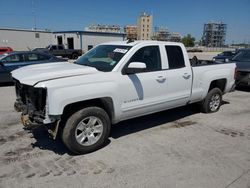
(174, 148)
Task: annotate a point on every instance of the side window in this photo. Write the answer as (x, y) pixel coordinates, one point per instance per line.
(13, 58)
(149, 55)
(53, 47)
(32, 57)
(90, 47)
(175, 57)
(43, 57)
(60, 47)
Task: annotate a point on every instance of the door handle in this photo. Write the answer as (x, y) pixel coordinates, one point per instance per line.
(161, 79)
(186, 76)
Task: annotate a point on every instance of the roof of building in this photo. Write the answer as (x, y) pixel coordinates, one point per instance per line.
(91, 32)
(27, 30)
(65, 31)
(126, 43)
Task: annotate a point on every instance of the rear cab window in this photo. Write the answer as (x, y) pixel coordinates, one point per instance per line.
(175, 57)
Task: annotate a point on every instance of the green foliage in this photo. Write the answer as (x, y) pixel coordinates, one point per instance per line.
(188, 40)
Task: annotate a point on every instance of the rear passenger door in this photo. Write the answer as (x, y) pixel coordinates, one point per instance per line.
(179, 77)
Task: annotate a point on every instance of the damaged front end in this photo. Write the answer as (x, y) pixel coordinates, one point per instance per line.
(32, 102)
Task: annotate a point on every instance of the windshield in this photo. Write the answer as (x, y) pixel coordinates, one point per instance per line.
(103, 57)
(2, 56)
(243, 56)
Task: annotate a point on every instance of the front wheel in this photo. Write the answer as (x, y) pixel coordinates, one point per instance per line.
(86, 130)
(212, 102)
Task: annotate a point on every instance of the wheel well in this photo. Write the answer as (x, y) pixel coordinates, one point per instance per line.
(221, 84)
(105, 103)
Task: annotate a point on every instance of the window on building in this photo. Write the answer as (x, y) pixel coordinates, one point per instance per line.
(37, 35)
(149, 55)
(175, 57)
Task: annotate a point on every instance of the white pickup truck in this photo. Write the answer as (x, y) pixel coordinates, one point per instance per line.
(115, 82)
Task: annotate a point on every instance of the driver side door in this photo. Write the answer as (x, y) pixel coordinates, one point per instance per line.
(142, 93)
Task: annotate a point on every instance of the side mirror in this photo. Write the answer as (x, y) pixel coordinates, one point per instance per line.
(135, 67)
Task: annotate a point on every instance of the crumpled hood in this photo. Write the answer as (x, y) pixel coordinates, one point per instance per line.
(30, 75)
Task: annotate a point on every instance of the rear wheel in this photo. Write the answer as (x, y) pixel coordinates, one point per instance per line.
(74, 56)
(212, 102)
(86, 130)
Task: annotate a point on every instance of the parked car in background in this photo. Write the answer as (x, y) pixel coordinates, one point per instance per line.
(14, 60)
(5, 50)
(194, 50)
(59, 50)
(224, 56)
(242, 60)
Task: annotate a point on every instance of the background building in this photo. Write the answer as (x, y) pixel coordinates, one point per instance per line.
(161, 33)
(85, 40)
(175, 37)
(131, 32)
(24, 39)
(214, 34)
(104, 28)
(145, 22)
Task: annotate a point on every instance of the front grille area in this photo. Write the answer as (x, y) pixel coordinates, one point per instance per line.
(33, 99)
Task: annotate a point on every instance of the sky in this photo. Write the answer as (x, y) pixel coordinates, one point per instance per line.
(183, 16)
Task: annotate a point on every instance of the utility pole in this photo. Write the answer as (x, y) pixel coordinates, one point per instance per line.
(33, 13)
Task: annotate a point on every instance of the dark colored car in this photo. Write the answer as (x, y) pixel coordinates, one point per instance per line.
(242, 60)
(4, 50)
(224, 56)
(194, 50)
(60, 50)
(15, 60)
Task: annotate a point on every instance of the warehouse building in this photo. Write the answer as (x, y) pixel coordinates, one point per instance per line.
(85, 40)
(25, 39)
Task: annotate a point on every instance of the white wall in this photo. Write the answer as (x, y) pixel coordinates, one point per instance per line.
(24, 40)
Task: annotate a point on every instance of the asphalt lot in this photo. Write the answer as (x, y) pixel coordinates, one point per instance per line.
(174, 148)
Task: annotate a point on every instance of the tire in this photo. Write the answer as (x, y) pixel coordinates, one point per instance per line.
(212, 102)
(86, 130)
(74, 56)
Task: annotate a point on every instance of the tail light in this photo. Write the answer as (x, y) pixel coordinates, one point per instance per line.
(235, 73)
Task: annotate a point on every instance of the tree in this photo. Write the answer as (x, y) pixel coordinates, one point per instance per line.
(188, 40)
